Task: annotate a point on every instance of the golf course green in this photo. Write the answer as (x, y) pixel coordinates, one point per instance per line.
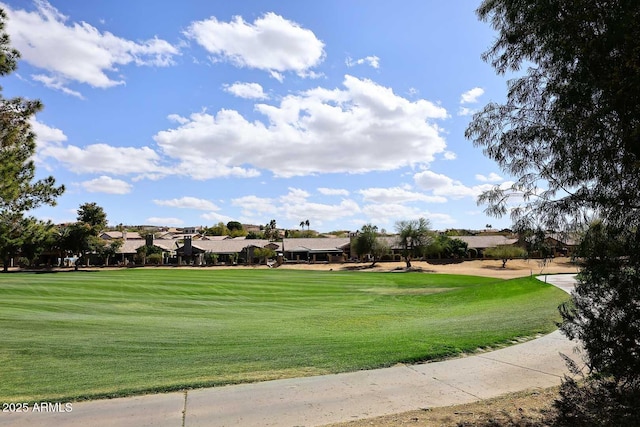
(80, 335)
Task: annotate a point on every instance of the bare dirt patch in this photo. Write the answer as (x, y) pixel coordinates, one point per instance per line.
(486, 268)
(529, 408)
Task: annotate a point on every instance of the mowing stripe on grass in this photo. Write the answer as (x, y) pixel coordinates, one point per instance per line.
(81, 335)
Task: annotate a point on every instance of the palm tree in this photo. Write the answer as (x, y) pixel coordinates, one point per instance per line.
(302, 224)
(307, 224)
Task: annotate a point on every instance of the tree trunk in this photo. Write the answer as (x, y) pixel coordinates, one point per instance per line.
(407, 260)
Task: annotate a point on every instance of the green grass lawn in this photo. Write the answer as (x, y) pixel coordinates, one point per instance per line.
(90, 334)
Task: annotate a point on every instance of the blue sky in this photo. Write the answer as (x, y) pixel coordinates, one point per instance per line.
(190, 113)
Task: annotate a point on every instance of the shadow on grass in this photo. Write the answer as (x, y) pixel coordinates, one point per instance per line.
(49, 271)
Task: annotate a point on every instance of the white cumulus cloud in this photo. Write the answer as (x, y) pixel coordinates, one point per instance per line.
(471, 96)
(188, 203)
(154, 220)
(108, 185)
(390, 213)
(464, 111)
(46, 134)
(397, 195)
(492, 177)
(271, 43)
(78, 52)
(372, 61)
(333, 191)
(360, 128)
(442, 185)
(294, 207)
(216, 217)
(246, 90)
(104, 158)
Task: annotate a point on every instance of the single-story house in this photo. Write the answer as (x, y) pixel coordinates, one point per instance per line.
(562, 244)
(321, 249)
(227, 250)
(124, 235)
(480, 243)
(129, 249)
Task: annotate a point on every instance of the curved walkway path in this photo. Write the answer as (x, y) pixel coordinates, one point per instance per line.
(315, 401)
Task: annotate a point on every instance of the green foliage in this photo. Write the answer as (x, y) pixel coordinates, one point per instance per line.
(252, 235)
(505, 253)
(78, 239)
(458, 248)
(472, 252)
(597, 402)
(263, 254)
(570, 127)
(300, 234)
(26, 237)
(152, 329)
(234, 257)
(148, 233)
(305, 223)
(81, 237)
(453, 232)
(217, 230)
(151, 249)
(8, 56)
(535, 240)
(92, 215)
(270, 231)
(414, 236)
(437, 247)
(211, 258)
(609, 328)
(110, 249)
(234, 226)
(154, 259)
(570, 123)
(37, 236)
(143, 254)
(443, 246)
(340, 233)
(369, 243)
(19, 193)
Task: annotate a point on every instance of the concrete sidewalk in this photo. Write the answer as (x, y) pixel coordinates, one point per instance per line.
(315, 401)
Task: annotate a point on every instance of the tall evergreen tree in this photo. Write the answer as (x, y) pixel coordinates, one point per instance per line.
(19, 191)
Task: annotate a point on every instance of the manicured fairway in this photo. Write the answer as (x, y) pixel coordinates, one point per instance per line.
(89, 334)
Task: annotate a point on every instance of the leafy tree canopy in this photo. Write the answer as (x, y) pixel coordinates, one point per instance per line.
(505, 253)
(235, 225)
(369, 243)
(413, 237)
(92, 215)
(569, 129)
(569, 132)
